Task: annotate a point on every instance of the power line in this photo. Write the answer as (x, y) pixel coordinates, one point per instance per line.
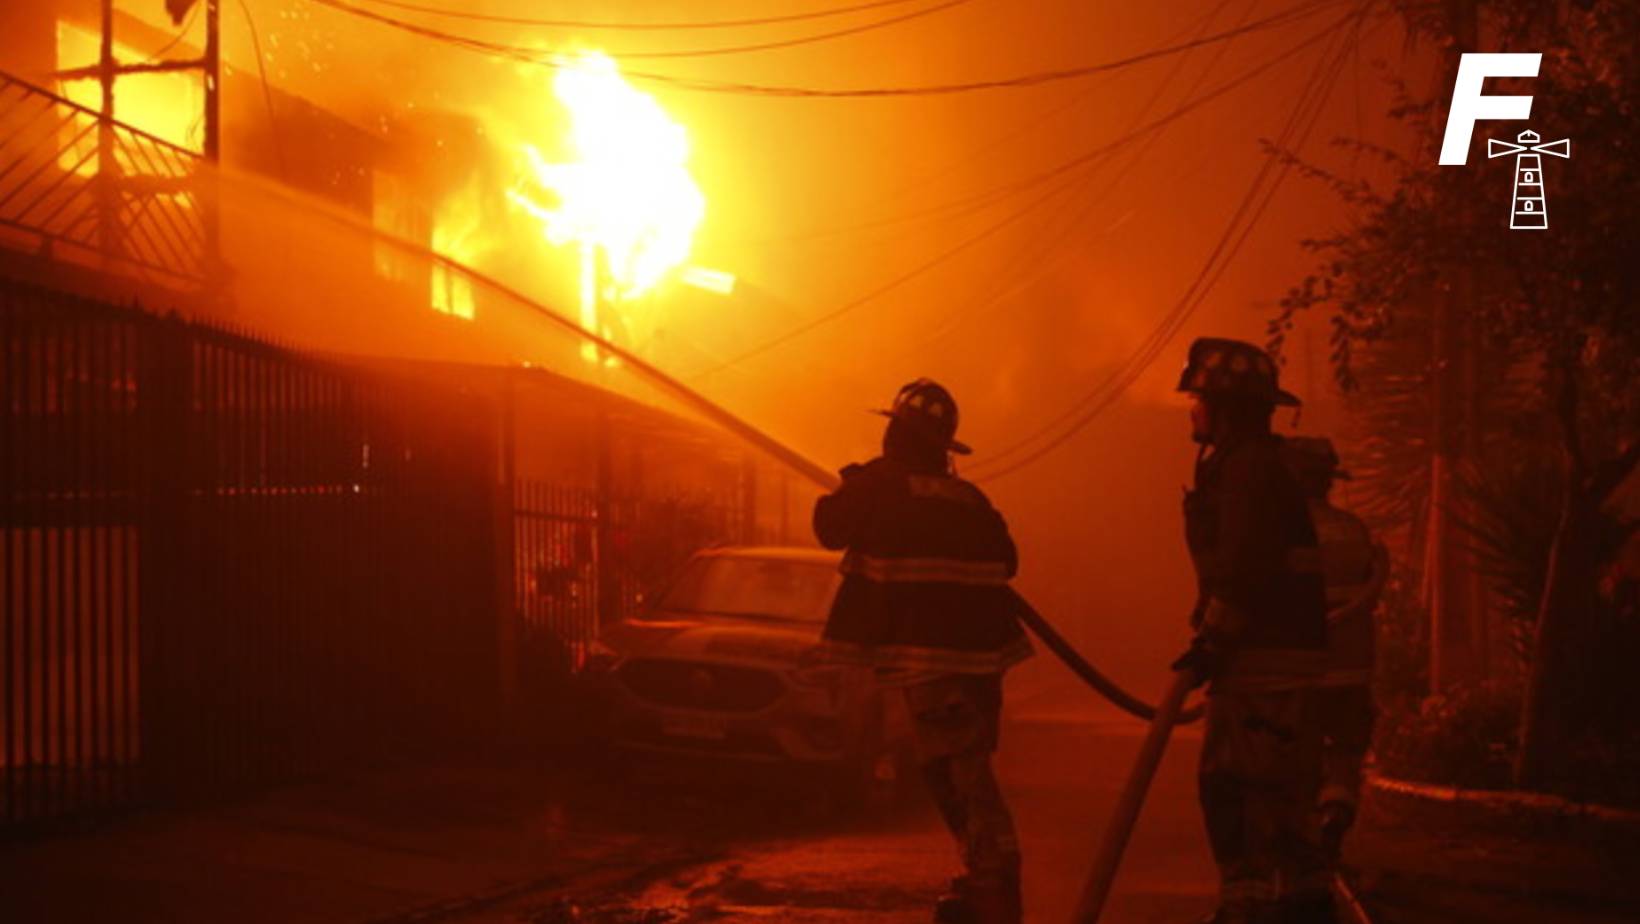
(887, 287)
(1046, 176)
(800, 40)
(1057, 249)
(971, 203)
(1199, 28)
(1084, 411)
(267, 94)
(1128, 371)
(1039, 78)
(639, 26)
(182, 33)
(1105, 394)
(540, 57)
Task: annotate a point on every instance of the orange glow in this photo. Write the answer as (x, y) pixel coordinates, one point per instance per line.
(456, 234)
(166, 105)
(627, 192)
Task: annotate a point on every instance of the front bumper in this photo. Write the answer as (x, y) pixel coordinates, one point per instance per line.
(799, 724)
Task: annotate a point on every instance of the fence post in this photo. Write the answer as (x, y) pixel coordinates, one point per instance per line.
(609, 590)
(503, 502)
(165, 370)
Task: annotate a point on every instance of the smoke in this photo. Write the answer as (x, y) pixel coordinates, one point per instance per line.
(825, 209)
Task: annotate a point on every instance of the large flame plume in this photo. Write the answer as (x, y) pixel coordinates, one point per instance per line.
(626, 194)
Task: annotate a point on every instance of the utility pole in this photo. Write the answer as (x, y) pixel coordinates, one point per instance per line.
(209, 187)
(108, 193)
(107, 72)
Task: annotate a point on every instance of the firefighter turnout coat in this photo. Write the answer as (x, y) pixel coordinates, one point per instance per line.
(1255, 550)
(925, 573)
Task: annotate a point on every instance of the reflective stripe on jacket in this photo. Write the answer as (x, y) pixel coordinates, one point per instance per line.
(925, 575)
(1255, 550)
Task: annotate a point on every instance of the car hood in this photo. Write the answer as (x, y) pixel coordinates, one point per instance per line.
(693, 638)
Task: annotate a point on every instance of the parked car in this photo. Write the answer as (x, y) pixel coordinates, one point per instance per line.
(726, 665)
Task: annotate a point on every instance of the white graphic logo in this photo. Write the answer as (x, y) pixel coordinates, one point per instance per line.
(1469, 105)
(1530, 211)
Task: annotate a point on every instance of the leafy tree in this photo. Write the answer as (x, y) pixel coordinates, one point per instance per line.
(1555, 311)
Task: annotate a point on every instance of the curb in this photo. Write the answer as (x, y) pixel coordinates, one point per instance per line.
(1509, 800)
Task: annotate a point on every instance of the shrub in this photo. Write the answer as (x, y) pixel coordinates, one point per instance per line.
(1465, 737)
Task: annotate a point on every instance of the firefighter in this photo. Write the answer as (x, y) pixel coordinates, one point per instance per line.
(1260, 643)
(925, 602)
(1354, 569)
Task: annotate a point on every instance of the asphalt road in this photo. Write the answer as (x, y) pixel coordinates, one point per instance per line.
(561, 843)
(770, 852)
(758, 852)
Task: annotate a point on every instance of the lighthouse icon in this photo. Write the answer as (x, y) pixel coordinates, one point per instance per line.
(1530, 210)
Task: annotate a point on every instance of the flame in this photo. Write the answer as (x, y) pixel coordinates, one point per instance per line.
(169, 106)
(457, 233)
(626, 195)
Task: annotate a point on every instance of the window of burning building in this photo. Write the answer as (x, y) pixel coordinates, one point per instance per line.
(169, 106)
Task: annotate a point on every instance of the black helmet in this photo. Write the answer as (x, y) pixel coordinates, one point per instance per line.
(1232, 367)
(927, 406)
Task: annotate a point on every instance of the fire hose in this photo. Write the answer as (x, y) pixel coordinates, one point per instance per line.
(1163, 718)
(822, 477)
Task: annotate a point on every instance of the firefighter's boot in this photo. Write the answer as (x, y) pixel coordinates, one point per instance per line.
(988, 900)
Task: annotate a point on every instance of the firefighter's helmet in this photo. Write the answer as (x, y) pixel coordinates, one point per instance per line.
(1232, 367)
(1312, 457)
(927, 406)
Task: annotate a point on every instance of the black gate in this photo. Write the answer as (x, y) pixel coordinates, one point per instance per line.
(224, 563)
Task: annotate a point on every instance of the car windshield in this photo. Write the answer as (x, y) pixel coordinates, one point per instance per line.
(754, 588)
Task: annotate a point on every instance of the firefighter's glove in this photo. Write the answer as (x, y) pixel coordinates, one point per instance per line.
(1200, 660)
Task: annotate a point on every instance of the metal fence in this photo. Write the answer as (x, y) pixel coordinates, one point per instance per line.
(90, 190)
(557, 546)
(223, 563)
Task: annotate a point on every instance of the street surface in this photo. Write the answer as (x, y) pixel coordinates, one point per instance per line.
(555, 844)
(788, 861)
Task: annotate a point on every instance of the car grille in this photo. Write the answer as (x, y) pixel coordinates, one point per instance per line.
(701, 685)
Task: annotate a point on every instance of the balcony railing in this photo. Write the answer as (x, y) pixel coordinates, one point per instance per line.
(79, 188)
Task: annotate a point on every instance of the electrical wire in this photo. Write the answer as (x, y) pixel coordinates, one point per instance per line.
(1199, 28)
(1038, 78)
(182, 33)
(639, 26)
(1104, 395)
(535, 55)
(1083, 412)
(775, 45)
(1053, 254)
(1108, 389)
(267, 94)
(1046, 176)
(898, 281)
(975, 202)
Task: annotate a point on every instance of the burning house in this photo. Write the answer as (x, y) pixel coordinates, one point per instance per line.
(321, 462)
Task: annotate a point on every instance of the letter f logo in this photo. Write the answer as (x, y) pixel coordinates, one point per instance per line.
(1470, 106)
